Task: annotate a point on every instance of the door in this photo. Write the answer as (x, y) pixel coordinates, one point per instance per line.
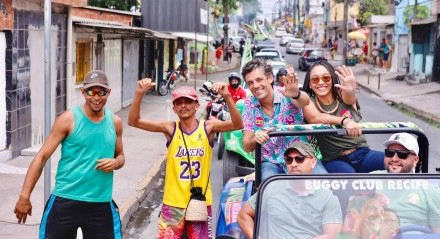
(160, 60)
(130, 70)
(403, 56)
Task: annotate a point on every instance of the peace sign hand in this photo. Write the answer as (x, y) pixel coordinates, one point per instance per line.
(291, 88)
(348, 81)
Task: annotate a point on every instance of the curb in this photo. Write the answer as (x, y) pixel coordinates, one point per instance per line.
(143, 187)
(425, 116)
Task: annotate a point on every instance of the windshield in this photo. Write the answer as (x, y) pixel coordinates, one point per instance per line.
(297, 41)
(272, 58)
(362, 206)
(315, 53)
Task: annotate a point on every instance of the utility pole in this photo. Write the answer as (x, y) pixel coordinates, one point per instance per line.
(294, 15)
(344, 33)
(225, 28)
(415, 9)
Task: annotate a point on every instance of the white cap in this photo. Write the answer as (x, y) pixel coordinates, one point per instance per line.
(406, 140)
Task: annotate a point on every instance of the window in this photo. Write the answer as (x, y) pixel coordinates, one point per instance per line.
(83, 59)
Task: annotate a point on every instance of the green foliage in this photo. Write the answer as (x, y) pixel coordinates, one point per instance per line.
(408, 14)
(124, 5)
(369, 8)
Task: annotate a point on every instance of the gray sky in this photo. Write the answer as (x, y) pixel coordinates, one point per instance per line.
(268, 6)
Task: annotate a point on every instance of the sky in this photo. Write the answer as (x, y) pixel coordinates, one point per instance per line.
(268, 6)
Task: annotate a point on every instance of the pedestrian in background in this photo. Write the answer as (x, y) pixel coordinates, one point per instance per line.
(219, 54)
(229, 50)
(190, 145)
(183, 68)
(385, 47)
(91, 149)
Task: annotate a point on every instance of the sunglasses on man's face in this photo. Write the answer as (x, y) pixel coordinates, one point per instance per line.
(91, 92)
(402, 154)
(298, 159)
(324, 78)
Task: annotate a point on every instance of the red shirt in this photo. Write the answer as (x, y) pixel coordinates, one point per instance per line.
(237, 94)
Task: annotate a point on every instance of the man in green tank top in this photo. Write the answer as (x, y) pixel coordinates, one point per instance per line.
(91, 149)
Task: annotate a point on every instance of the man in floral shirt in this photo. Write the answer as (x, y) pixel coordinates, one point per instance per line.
(269, 107)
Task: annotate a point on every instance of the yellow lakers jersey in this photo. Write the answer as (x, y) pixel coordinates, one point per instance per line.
(177, 176)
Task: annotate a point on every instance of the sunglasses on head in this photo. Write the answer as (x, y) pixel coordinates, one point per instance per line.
(298, 159)
(324, 78)
(402, 154)
(91, 92)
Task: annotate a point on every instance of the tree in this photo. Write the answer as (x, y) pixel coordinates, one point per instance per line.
(124, 5)
(408, 14)
(370, 8)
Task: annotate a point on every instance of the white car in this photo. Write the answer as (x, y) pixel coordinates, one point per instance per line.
(285, 39)
(280, 32)
(273, 50)
(275, 60)
(295, 45)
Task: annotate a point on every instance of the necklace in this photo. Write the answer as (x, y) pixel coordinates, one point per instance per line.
(330, 111)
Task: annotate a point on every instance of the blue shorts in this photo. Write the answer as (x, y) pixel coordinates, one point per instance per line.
(62, 217)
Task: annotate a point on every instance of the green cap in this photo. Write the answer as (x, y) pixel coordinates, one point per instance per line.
(305, 149)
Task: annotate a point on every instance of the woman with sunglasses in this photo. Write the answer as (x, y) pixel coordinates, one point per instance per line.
(335, 92)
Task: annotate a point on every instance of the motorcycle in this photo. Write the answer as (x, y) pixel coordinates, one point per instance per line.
(169, 83)
(215, 109)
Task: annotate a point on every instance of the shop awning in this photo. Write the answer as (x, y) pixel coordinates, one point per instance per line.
(113, 28)
(425, 21)
(164, 35)
(200, 37)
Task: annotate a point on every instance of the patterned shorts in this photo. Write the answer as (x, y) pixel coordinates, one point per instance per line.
(172, 225)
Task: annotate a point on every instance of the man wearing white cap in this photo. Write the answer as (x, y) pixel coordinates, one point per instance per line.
(414, 206)
(401, 154)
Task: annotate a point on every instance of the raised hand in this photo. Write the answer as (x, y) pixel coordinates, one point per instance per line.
(220, 88)
(346, 76)
(144, 85)
(291, 88)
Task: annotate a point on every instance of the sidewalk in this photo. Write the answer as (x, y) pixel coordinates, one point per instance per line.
(417, 98)
(144, 152)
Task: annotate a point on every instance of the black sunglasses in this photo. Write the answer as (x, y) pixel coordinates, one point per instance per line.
(403, 154)
(298, 159)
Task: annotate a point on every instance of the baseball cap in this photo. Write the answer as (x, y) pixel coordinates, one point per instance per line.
(303, 148)
(96, 78)
(406, 140)
(185, 91)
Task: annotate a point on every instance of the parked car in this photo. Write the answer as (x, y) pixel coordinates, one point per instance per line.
(285, 39)
(296, 45)
(271, 49)
(310, 56)
(281, 31)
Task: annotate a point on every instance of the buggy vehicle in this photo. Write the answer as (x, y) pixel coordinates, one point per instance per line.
(364, 206)
(230, 201)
